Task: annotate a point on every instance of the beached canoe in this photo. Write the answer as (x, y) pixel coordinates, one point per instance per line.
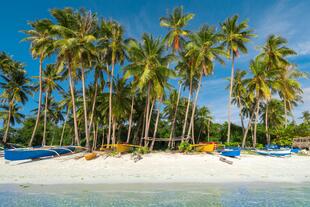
(231, 152)
(35, 153)
(205, 147)
(295, 150)
(274, 152)
(90, 156)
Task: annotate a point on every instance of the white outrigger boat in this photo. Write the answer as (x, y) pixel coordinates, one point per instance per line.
(274, 152)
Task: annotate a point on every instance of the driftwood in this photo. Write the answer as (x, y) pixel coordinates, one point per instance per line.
(223, 159)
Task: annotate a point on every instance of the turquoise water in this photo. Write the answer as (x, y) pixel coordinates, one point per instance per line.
(230, 195)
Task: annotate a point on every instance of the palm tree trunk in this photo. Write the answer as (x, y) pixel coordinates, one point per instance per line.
(230, 95)
(156, 125)
(249, 124)
(191, 125)
(150, 114)
(39, 104)
(255, 126)
(45, 118)
(85, 110)
(241, 115)
(5, 137)
(64, 127)
(146, 132)
(110, 102)
(285, 113)
(187, 108)
(94, 104)
(130, 119)
(209, 130)
(174, 117)
(76, 132)
(102, 141)
(143, 127)
(266, 124)
(113, 131)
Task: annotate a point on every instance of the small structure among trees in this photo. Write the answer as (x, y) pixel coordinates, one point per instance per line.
(302, 142)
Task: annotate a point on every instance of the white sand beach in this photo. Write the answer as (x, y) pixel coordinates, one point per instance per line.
(157, 168)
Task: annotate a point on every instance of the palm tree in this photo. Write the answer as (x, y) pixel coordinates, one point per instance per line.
(204, 118)
(41, 47)
(188, 73)
(148, 62)
(10, 115)
(259, 88)
(204, 46)
(239, 94)
(275, 114)
(234, 38)
(75, 48)
(51, 76)
(289, 88)
(176, 22)
(15, 88)
(306, 117)
(273, 53)
(112, 43)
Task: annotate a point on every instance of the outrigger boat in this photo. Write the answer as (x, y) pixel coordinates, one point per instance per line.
(231, 152)
(275, 152)
(36, 153)
(205, 147)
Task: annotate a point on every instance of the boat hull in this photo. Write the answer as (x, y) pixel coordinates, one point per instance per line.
(35, 153)
(231, 152)
(276, 153)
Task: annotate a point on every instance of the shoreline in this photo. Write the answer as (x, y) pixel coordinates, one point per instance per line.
(157, 168)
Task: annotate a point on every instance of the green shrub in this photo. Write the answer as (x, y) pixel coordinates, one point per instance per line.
(232, 144)
(185, 147)
(142, 150)
(259, 146)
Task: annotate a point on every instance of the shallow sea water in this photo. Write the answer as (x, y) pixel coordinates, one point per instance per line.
(230, 195)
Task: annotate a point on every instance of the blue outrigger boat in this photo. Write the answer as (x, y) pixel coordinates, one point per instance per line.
(231, 152)
(36, 153)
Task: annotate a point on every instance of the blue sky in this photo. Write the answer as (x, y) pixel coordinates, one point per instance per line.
(283, 17)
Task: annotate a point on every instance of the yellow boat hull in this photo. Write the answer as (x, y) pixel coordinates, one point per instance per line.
(205, 147)
(90, 156)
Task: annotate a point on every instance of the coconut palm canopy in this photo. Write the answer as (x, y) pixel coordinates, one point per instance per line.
(97, 82)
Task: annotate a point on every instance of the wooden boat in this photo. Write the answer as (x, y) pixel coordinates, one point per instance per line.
(35, 153)
(274, 152)
(90, 156)
(231, 152)
(295, 150)
(205, 147)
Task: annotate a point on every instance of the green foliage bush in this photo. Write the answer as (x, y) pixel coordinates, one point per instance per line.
(232, 144)
(142, 150)
(185, 147)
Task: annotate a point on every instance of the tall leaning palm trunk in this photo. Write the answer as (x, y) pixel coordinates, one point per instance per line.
(250, 123)
(5, 137)
(39, 103)
(285, 112)
(191, 125)
(187, 108)
(94, 104)
(64, 127)
(156, 125)
(71, 84)
(230, 95)
(110, 102)
(174, 117)
(130, 119)
(266, 124)
(85, 110)
(45, 118)
(147, 114)
(255, 126)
